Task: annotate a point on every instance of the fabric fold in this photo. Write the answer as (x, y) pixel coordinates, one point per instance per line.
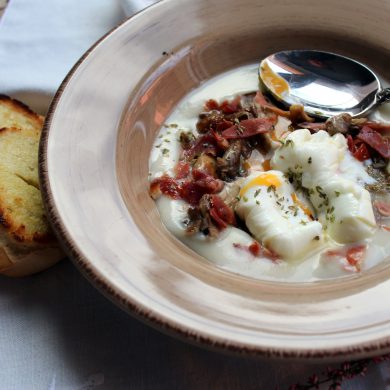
(40, 41)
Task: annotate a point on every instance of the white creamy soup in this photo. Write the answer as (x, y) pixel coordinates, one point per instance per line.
(251, 190)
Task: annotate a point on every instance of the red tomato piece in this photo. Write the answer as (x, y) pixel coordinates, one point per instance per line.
(255, 248)
(361, 153)
(358, 148)
(355, 255)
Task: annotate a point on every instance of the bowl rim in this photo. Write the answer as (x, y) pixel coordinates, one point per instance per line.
(136, 309)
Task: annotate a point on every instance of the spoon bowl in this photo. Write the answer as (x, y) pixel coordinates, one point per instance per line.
(326, 84)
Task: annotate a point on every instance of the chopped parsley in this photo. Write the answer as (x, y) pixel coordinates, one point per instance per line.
(321, 192)
(173, 125)
(271, 188)
(288, 143)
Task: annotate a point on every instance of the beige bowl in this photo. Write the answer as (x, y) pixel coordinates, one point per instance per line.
(94, 173)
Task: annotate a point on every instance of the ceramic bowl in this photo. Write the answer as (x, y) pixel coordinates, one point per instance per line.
(94, 175)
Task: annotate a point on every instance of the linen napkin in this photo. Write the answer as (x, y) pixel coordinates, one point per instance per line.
(40, 41)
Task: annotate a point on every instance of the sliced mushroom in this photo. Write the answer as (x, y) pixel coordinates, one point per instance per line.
(207, 164)
(228, 166)
(338, 124)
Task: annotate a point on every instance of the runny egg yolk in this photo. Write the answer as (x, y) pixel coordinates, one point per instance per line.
(305, 209)
(266, 180)
(275, 83)
(266, 165)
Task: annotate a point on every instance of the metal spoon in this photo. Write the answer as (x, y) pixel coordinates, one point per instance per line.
(326, 84)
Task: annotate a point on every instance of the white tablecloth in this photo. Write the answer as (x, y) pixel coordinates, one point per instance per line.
(56, 330)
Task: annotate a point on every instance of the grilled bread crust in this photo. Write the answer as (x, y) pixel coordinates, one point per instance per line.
(27, 244)
(14, 113)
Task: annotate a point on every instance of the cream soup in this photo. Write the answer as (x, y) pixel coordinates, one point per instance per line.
(299, 214)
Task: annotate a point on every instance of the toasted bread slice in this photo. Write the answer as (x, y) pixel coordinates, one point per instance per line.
(21, 209)
(19, 153)
(14, 113)
(27, 244)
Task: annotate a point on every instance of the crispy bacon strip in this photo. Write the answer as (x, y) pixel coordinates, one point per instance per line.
(206, 144)
(221, 213)
(378, 142)
(378, 126)
(191, 189)
(248, 128)
(202, 183)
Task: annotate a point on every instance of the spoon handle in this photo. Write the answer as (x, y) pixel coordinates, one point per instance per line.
(383, 96)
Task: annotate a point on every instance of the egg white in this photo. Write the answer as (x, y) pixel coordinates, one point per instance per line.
(337, 193)
(273, 217)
